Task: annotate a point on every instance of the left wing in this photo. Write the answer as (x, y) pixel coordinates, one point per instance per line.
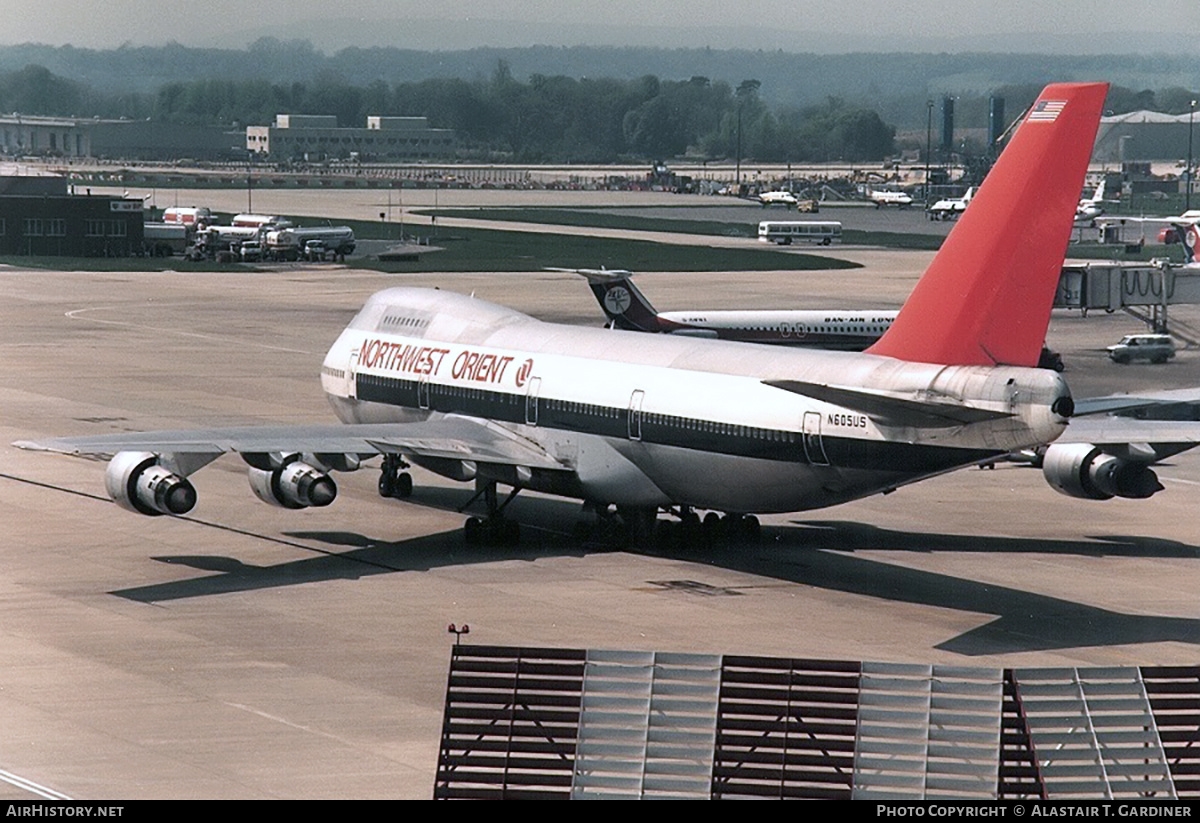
(452, 437)
(289, 466)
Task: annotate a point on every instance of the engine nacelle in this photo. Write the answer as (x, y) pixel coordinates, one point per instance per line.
(137, 483)
(1082, 470)
(294, 485)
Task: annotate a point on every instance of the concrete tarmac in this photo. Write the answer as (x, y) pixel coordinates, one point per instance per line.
(245, 651)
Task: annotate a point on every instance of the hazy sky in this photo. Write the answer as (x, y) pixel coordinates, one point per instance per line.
(805, 24)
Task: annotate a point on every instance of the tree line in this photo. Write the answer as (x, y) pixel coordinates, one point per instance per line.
(542, 119)
(556, 118)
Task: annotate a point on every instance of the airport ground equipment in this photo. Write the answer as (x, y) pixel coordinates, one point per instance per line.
(295, 243)
(166, 239)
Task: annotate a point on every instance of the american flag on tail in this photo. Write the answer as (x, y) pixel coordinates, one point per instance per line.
(1046, 111)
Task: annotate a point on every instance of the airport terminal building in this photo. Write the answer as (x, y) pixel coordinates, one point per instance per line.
(318, 136)
(39, 217)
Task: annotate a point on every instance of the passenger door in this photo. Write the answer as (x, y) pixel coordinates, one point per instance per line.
(814, 447)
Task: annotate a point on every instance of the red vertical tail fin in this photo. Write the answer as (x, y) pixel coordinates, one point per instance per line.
(986, 297)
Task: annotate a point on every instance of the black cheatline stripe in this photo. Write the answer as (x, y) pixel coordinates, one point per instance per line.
(666, 430)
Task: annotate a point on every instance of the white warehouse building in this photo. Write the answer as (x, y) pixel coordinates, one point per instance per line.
(383, 138)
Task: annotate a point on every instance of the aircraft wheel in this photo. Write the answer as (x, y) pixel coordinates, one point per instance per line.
(473, 531)
(743, 527)
(666, 535)
(712, 529)
(508, 532)
(385, 485)
(753, 529)
(689, 531)
(403, 486)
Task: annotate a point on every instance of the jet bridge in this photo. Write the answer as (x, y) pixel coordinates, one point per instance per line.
(1144, 290)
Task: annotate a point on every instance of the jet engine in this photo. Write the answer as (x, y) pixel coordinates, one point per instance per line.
(293, 485)
(1083, 470)
(138, 483)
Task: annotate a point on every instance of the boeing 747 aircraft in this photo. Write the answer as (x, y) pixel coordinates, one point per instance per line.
(478, 392)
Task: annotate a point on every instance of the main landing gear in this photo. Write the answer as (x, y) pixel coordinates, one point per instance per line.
(715, 530)
(393, 480)
(641, 527)
(494, 529)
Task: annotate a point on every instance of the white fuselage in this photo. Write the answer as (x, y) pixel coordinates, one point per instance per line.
(645, 420)
(831, 329)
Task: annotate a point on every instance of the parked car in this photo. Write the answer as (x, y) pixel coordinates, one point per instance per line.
(1156, 348)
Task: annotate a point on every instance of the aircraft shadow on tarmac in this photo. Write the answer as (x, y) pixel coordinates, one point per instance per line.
(820, 554)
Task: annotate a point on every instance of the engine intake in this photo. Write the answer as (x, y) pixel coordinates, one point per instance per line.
(138, 483)
(294, 485)
(1083, 470)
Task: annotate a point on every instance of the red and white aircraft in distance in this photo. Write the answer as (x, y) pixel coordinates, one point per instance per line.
(478, 392)
(1181, 228)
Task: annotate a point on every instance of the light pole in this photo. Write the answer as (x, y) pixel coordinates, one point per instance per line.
(737, 177)
(1187, 196)
(928, 144)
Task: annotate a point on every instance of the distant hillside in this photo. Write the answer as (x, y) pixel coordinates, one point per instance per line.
(896, 85)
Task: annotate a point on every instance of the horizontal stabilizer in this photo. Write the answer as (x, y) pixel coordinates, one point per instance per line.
(597, 275)
(1118, 403)
(1106, 432)
(888, 410)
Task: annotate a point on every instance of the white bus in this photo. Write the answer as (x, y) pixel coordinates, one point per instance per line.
(786, 231)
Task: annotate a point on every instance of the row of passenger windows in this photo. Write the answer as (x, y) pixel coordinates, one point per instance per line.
(571, 407)
(718, 428)
(648, 419)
